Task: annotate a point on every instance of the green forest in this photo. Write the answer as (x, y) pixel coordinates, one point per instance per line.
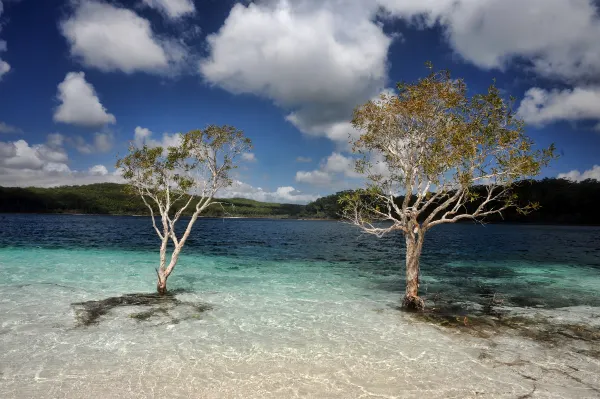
(114, 199)
(561, 202)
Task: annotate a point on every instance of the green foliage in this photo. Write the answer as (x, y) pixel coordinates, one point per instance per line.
(116, 199)
(432, 135)
(199, 165)
(558, 201)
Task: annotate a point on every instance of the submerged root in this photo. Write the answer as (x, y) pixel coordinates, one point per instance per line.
(412, 303)
(482, 322)
(90, 312)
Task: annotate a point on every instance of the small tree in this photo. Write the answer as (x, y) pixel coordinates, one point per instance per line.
(185, 177)
(451, 157)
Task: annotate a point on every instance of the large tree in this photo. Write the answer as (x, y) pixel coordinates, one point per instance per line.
(434, 155)
(182, 179)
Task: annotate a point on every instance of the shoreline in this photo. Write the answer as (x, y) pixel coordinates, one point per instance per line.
(276, 217)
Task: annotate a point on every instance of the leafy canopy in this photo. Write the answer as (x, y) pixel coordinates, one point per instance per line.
(199, 165)
(436, 143)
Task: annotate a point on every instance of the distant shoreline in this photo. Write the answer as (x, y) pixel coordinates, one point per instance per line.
(276, 217)
(273, 217)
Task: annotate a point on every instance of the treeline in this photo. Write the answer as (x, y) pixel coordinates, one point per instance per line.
(561, 201)
(114, 199)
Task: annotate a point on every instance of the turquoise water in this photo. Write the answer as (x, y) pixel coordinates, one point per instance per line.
(299, 309)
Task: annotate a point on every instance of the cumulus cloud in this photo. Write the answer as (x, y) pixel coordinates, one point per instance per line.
(111, 38)
(98, 170)
(319, 59)
(20, 155)
(335, 167)
(542, 106)
(249, 157)
(4, 66)
(285, 194)
(315, 177)
(143, 136)
(80, 104)
(316, 59)
(558, 37)
(173, 9)
(102, 142)
(45, 165)
(578, 176)
(5, 128)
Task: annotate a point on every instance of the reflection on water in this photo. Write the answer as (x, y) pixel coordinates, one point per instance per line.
(295, 309)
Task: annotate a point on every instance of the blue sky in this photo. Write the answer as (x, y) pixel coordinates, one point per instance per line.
(81, 79)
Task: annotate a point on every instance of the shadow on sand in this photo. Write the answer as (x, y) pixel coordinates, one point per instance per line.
(160, 308)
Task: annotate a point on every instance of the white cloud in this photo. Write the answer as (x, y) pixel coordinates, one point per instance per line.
(80, 104)
(102, 142)
(55, 140)
(249, 157)
(20, 155)
(541, 106)
(174, 9)
(285, 194)
(342, 132)
(4, 66)
(315, 177)
(577, 176)
(558, 37)
(5, 128)
(338, 163)
(45, 165)
(98, 170)
(52, 176)
(317, 59)
(143, 136)
(335, 167)
(111, 38)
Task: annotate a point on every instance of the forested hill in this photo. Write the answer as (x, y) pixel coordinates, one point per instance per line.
(562, 202)
(111, 198)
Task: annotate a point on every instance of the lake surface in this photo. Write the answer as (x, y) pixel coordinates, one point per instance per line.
(298, 309)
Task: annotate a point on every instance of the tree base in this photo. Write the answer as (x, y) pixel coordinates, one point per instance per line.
(161, 289)
(413, 303)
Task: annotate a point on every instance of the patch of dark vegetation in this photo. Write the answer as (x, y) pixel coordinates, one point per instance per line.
(90, 312)
(490, 319)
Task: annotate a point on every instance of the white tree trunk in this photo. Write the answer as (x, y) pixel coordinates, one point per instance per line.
(165, 271)
(414, 246)
(161, 284)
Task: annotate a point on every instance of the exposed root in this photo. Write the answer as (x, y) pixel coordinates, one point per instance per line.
(413, 303)
(90, 312)
(488, 321)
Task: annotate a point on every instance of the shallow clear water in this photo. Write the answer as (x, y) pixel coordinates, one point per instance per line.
(300, 309)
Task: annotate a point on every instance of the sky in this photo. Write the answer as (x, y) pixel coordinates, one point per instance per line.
(82, 79)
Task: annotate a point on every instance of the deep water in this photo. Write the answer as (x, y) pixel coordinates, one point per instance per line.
(293, 309)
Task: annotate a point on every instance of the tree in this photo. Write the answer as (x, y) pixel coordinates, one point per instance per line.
(173, 179)
(452, 157)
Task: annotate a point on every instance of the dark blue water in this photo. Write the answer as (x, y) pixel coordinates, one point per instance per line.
(544, 266)
(298, 309)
